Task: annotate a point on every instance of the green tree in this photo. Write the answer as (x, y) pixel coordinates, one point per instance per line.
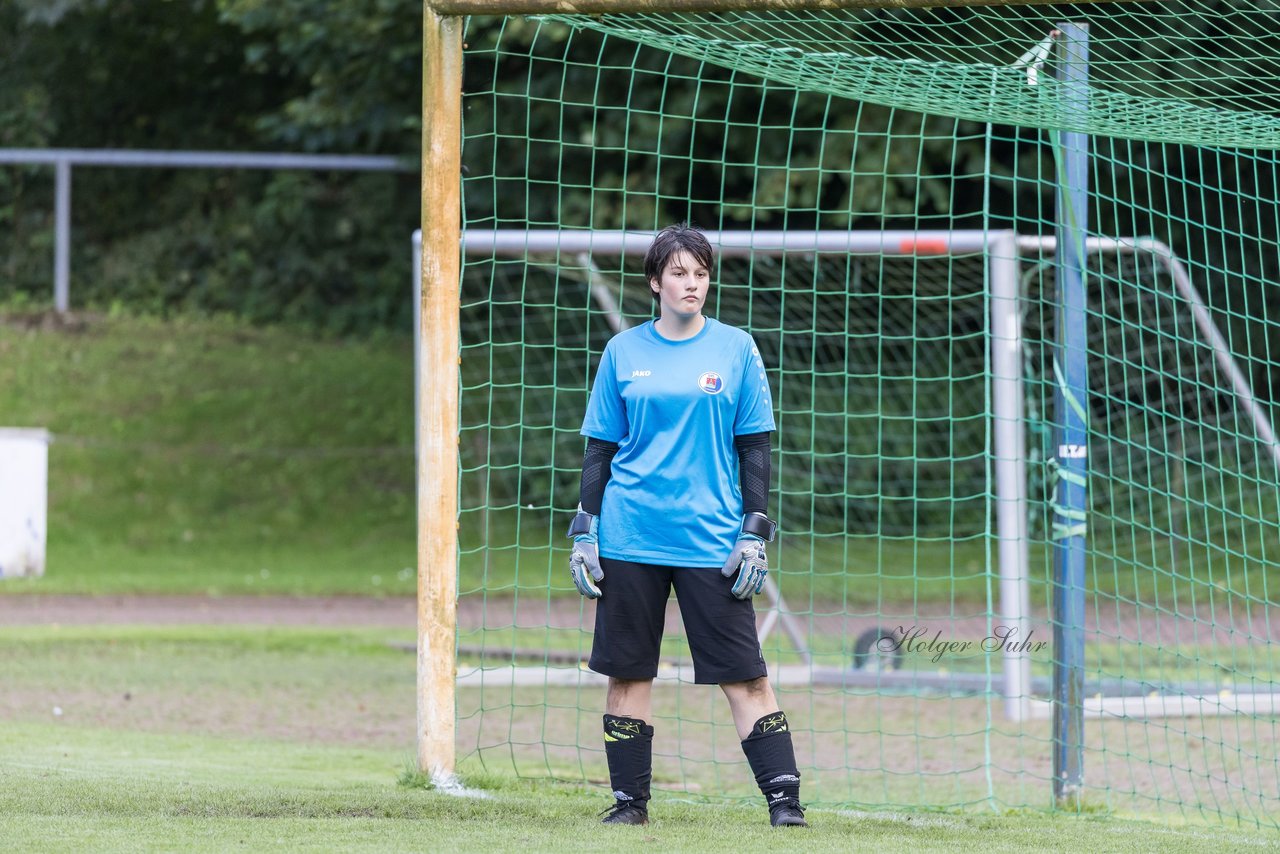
(357, 63)
(328, 250)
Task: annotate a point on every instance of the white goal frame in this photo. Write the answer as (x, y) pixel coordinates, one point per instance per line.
(1001, 251)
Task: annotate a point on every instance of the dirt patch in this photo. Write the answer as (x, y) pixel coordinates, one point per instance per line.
(39, 610)
(48, 320)
(1254, 623)
(1108, 622)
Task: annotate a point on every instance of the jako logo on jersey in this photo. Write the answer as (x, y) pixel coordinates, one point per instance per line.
(710, 382)
(635, 374)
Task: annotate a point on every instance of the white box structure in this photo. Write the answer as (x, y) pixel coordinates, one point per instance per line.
(24, 501)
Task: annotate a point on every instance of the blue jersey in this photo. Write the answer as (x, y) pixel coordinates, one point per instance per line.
(674, 407)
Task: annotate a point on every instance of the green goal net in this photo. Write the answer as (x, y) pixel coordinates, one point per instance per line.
(882, 186)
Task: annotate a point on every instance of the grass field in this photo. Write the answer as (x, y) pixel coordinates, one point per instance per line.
(98, 791)
(214, 739)
(201, 456)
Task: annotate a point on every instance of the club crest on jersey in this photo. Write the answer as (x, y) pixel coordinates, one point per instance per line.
(710, 382)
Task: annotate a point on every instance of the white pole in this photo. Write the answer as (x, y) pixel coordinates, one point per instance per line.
(62, 237)
(1199, 313)
(1221, 349)
(513, 242)
(602, 295)
(1010, 467)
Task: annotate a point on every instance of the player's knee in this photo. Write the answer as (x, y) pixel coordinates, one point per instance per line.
(758, 687)
(625, 685)
(625, 693)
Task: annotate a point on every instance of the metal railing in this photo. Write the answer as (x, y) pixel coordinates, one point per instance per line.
(62, 159)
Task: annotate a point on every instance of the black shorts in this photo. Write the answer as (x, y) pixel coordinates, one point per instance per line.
(632, 609)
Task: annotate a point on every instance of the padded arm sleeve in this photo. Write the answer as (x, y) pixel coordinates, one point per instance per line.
(753, 471)
(597, 465)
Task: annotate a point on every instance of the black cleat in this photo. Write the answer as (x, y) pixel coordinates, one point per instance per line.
(787, 815)
(625, 812)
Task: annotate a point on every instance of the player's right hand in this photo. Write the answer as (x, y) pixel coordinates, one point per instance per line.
(584, 562)
(751, 564)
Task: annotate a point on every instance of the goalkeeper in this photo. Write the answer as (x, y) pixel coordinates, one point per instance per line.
(675, 482)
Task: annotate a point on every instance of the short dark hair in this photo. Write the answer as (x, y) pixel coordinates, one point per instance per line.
(672, 239)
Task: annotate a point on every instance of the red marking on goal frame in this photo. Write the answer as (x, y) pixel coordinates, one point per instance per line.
(911, 246)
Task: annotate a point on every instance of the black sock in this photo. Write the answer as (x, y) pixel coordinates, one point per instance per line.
(773, 760)
(628, 746)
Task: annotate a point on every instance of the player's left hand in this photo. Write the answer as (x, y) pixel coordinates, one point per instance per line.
(749, 561)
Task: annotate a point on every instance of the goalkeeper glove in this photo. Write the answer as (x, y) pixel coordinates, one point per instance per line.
(584, 561)
(748, 558)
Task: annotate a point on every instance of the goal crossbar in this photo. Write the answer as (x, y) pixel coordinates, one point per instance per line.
(518, 242)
